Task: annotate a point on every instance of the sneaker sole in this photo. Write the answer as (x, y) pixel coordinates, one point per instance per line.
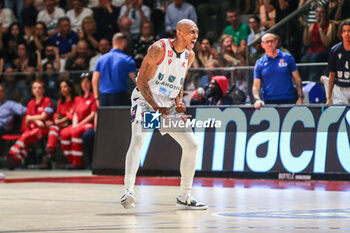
(186, 207)
(128, 202)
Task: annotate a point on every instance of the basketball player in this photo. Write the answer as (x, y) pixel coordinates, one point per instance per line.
(160, 88)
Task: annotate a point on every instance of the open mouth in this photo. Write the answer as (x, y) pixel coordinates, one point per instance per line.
(193, 42)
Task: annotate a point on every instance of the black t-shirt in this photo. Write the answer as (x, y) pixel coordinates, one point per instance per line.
(338, 62)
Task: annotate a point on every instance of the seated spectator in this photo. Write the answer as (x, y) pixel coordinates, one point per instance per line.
(51, 54)
(143, 42)
(65, 39)
(229, 53)
(11, 39)
(176, 11)
(205, 52)
(50, 78)
(267, 14)
(205, 79)
(88, 34)
(237, 30)
(138, 13)
(8, 108)
(103, 47)
(106, 17)
(84, 113)
(26, 62)
(39, 111)
(77, 14)
(81, 60)
(50, 16)
(215, 95)
(6, 18)
(40, 38)
(254, 25)
(61, 119)
(28, 15)
(318, 37)
(16, 88)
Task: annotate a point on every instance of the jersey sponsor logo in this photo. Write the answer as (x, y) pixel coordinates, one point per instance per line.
(182, 81)
(187, 54)
(184, 64)
(171, 78)
(169, 61)
(164, 91)
(160, 76)
(170, 53)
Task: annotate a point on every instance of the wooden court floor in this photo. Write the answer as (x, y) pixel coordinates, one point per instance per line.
(55, 206)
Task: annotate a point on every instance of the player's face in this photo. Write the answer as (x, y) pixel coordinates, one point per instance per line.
(190, 36)
(345, 33)
(38, 89)
(269, 43)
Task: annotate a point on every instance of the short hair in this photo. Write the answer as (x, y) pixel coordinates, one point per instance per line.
(233, 10)
(119, 36)
(267, 35)
(60, 20)
(256, 18)
(343, 23)
(38, 81)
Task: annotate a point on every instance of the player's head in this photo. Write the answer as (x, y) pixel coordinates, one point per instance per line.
(344, 31)
(187, 32)
(269, 42)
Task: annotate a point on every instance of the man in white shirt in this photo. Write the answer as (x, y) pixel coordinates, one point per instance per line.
(77, 14)
(50, 16)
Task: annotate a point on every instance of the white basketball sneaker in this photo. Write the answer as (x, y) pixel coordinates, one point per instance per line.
(187, 202)
(128, 200)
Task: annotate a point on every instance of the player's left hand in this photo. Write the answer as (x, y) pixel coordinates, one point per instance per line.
(180, 108)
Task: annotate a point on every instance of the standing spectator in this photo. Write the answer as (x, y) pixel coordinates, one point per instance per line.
(205, 52)
(237, 30)
(8, 108)
(106, 17)
(6, 17)
(111, 74)
(143, 42)
(65, 39)
(39, 110)
(339, 70)
(88, 33)
(50, 16)
(77, 14)
(81, 60)
(103, 47)
(254, 25)
(84, 113)
(61, 119)
(274, 74)
(11, 39)
(318, 37)
(138, 13)
(177, 11)
(267, 14)
(29, 15)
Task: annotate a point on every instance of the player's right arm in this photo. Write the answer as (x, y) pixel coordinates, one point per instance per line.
(330, 87)
(154, 56)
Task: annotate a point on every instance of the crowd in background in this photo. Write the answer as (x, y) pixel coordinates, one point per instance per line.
(53, 36)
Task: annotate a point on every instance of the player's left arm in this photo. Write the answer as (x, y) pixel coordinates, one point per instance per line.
(180, 106)
(299, 86)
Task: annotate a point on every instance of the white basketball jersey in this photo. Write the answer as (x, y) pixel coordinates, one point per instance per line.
(170, 74)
